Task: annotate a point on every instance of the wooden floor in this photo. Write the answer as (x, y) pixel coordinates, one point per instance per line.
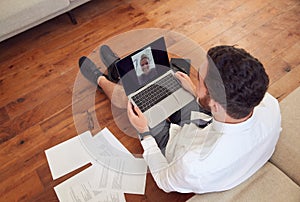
(38, 69)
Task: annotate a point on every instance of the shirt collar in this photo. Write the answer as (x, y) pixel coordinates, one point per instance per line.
(231, 127)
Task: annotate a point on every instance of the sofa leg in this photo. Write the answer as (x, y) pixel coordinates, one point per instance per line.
(72, 17)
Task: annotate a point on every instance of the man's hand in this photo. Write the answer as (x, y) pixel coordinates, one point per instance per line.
(186, 82)
(137, 118)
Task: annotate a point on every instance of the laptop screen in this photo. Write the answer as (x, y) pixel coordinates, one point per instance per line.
(143, 66)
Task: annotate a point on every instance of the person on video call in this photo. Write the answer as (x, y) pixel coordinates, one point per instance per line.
(240, 138)
(148, 72)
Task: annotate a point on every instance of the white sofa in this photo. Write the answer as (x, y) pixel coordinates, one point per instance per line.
(17, 16)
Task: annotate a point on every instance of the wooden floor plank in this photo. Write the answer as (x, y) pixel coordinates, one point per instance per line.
(43, 93)
(24, 189)
(241, 29)
(35, 116)
(286, 84)
(220, 25)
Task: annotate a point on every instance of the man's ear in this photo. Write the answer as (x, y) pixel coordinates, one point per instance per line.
(217, 110)
(214, 106)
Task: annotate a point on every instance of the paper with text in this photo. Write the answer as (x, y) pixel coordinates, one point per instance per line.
(81, 150)
(104, 144)
(119, 174)
(114, 169)
(80, 188)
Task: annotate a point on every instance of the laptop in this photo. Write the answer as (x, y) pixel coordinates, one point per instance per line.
(150, 83)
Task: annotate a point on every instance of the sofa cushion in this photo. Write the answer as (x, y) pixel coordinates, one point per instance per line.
(287, 153)
(16, 14)
(268, 184)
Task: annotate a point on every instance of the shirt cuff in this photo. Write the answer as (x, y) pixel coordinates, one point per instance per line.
(148, 143)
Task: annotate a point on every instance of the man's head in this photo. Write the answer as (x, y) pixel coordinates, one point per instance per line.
(144, 62)
(235, 79)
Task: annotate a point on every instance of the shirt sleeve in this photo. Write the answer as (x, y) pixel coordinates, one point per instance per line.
(167, 176)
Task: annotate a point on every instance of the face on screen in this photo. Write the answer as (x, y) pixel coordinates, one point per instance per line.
(144, 65)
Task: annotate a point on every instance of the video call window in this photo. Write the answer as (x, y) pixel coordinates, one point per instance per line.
(144, 65)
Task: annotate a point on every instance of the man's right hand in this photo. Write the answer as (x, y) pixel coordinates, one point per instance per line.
(137, 118)
(186, 82)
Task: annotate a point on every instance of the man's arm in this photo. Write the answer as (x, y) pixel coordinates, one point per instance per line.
(168, 176)
(165, 175)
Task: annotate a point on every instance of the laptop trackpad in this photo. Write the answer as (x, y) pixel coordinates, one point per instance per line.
(162, 110)
(183, 97)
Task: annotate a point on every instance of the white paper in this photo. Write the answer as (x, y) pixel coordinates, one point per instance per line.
(67, 157)
(114, 169)
(104, 144)
(199, 115)
(105, 182)
(80, 188)
(83, 149)
(126, 175)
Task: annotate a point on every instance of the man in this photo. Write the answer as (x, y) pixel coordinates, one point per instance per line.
(148, 72)
(240, 139)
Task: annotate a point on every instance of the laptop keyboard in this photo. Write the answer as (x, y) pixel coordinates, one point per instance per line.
(156, 92)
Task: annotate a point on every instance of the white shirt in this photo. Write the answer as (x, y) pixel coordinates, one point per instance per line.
(218, 157)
